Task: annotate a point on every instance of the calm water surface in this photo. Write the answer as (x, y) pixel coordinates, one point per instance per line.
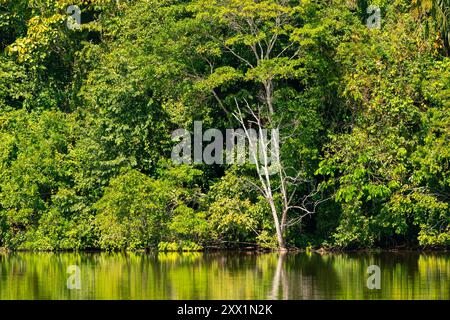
(224, 276)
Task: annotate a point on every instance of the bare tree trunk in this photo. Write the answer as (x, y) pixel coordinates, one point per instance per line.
(278, 227)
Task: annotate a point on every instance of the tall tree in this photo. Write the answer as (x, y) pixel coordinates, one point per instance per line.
(263, 43)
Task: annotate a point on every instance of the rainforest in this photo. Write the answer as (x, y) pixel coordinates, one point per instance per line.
(91, 95)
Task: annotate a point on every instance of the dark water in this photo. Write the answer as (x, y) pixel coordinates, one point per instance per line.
(223, 276)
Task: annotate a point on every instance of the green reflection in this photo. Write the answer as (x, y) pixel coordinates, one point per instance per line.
(224, 276)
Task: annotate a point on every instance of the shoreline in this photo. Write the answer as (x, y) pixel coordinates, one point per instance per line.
(240, 250)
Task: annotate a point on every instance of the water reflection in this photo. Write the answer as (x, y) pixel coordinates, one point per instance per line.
(224, 276)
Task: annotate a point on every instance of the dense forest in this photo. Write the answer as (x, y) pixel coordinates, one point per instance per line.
(88, 108)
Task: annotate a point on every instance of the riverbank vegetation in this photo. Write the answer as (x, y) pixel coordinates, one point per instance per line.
(87, 113)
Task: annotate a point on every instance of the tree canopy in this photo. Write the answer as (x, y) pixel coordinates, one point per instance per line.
(86, 117)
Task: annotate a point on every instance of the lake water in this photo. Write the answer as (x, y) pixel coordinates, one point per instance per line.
(223, 276)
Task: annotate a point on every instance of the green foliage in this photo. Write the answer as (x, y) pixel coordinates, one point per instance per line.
(186, 223)
(390, 168)
(133, 211)
(86, 118)
(36, 179)
(236, 214)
